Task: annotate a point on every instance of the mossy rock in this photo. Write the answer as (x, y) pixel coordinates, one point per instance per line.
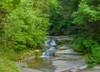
(37, 54)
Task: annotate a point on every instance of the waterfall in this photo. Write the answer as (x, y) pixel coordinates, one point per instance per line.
(53, 43)
(48, 52)
(47, 43)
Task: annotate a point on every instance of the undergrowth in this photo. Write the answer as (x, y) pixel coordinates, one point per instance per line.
(7, 66)
(90, 46)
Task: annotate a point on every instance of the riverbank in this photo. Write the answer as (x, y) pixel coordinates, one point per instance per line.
(26, 54)
(65, 59)
(9, 63)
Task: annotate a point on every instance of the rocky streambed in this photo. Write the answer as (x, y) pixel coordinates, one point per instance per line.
(65, 60)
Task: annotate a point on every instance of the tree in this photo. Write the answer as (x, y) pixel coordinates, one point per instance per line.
(24, 24)
(62, 21)
(87, 19)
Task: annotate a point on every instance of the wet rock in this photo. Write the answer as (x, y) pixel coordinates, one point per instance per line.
(64, 47)
(92, 70)
(28, 58)
(69, 45)
(62, 65)
(22, 65)
(37, 50)
(68, 57)
(29, 70)
(72, 56)
(95, 69)
(63, 52)
(79, 68)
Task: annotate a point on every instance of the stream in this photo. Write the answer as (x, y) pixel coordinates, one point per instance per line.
(56, 58)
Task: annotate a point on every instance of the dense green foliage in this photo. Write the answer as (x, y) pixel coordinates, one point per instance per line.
(87, 19)
(82, 19)
(24, 25)
(62, 20)
(7, 66)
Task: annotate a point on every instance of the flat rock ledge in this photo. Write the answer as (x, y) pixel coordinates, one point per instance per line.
(60, 38)
(29, 70)
(95, 69)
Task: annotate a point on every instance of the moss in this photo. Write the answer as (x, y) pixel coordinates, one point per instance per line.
(37, 54)
(91, 65)
(7, 66)
(61, 42)
(24, 54)
(71, 42)
(85, 57)
(71, 36)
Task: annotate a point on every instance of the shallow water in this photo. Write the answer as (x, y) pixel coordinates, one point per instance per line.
(42, 64)
(65, 60)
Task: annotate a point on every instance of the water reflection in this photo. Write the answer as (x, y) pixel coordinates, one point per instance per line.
(43, 64)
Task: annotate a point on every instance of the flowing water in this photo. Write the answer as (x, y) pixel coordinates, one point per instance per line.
(49, 49)
(64, 61)
(44, 62)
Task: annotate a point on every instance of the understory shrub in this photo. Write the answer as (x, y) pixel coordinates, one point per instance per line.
(89, 46)
(7, 66)
(23, 27)
(94, 59)
(84, 44)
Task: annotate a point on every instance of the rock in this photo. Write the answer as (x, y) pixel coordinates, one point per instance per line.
(68, 57)
(22, 65)
(28, 58)
(37, 50)
(64, 52)
(60, 38)
(29, 70)
(71, 56)
(66, 61)
(79, 69)
(64, 47)
(95, 69)
(62, 65)
(69, 45)
(91, 70)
